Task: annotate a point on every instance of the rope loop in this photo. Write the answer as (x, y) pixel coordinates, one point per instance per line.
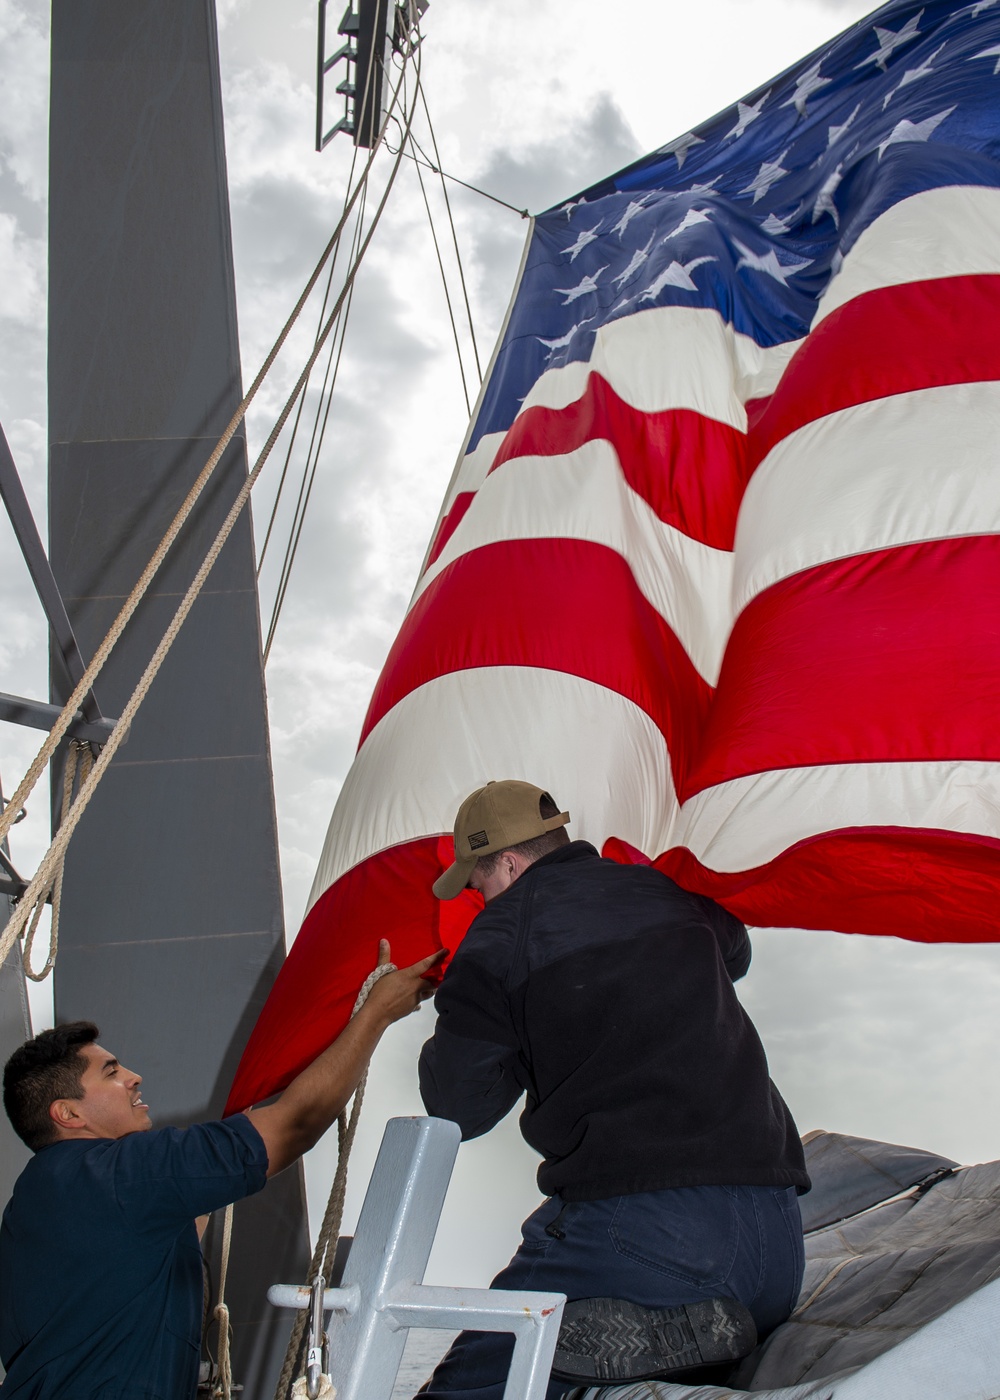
(79, 761)
(223, 1380)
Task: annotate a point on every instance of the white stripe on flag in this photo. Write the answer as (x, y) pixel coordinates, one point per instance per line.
(584, 496)
(672, 357)
(949, 232)
(748, 821)
(608, 767)
(891, 472)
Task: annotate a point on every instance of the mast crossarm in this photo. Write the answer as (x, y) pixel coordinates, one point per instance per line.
(35, 714)
(66, 650)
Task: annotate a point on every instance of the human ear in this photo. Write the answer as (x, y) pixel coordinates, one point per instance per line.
(63, 1113)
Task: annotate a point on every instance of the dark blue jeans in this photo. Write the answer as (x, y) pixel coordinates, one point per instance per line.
(657, 1248)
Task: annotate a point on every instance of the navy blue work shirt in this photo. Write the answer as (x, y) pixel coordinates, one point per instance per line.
(100, 1267)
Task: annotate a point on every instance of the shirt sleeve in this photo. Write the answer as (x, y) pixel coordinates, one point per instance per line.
(169, 1175)
(732, 938)
(468, 1069)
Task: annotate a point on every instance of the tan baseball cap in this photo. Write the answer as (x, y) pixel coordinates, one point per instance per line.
(494, 818)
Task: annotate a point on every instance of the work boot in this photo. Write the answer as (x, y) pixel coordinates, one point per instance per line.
(609, 1339)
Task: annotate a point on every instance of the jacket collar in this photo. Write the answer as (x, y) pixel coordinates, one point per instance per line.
(576, 850)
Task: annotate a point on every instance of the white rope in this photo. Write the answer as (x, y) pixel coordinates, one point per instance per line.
(96, 664)
(222, 1388)
(79, 758)
(45, 875)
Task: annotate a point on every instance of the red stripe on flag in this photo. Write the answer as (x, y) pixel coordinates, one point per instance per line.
(891, 870)
(555, 604)
(924, 885)
(386, 896)
(890, 341)
(690, 469)
(892, 655)
(450, 523)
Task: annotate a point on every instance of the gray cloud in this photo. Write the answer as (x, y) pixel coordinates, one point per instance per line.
(546, 172)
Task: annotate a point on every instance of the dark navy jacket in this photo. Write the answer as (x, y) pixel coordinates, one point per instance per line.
(100, 1267)
(604, 993)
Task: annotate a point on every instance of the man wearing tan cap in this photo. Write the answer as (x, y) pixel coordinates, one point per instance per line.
(604, 995)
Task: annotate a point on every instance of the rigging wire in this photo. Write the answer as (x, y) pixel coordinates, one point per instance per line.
(447, 292)
(298, 415)
(400, 87)
(429, 165)
(312, 459)
(451, 222)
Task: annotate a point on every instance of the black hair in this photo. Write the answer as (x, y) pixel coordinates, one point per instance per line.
(47, 1068)
(536, 846)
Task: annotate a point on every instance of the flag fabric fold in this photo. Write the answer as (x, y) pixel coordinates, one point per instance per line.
(720, 564)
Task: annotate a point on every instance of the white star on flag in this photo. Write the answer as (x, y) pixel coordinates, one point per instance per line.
(769, 174)
(564, 341)
(913, 131)
(824, 200)
(911, 75)
(772, 224)
(681, 146)
(704, 189)
(584, 237)
(746, 113)
(768, 262)
(834, 133)
(574, 204)
(889, 40)
(636, 206)
(676, 275)
(690, 219)
(994, 52)
(805, 85)
(638, 258)
(582, 288)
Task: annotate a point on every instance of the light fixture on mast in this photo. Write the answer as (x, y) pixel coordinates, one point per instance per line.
(369, 41)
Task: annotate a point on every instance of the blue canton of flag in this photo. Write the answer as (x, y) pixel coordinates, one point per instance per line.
(753, 211)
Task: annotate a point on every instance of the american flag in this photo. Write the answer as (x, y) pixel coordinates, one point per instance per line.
(719, 565)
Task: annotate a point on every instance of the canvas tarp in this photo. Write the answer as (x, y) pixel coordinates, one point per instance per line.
(895, 1299)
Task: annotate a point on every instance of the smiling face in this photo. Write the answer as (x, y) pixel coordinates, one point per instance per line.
(111, 1106)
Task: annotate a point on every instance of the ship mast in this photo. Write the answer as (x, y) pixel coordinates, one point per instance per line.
(172, 927)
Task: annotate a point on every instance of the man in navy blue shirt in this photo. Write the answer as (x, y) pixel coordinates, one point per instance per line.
(100, 1268)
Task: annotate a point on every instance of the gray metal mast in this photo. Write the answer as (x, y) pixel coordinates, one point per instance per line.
(172, 924)
(15, 1028)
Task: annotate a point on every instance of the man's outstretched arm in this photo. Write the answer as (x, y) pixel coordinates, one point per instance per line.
(298, 1119)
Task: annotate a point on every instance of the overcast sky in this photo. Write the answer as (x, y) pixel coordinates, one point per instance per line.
(531, 100)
